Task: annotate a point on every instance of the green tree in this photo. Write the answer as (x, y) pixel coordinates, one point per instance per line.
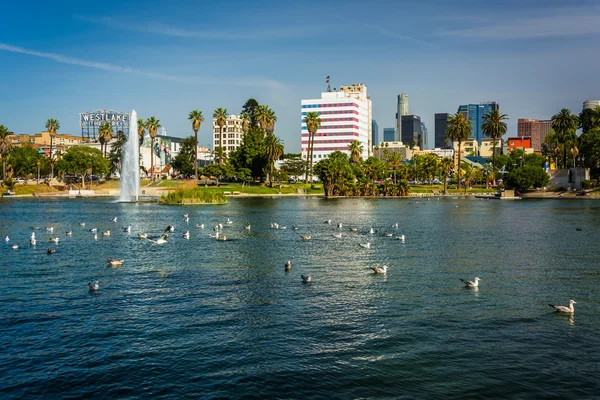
(313, 122)
(589, 119)
(105, 134)
(273, 151)
(293, 166)
(262, 117)
(116, 152)
(5, 147)
(334, 171)
(52, 126)
(458, 130)
(446, 165)
(197, 120)
(250, 154)
(218, 171)
(356, 149)
(394, 161)
(23, 160)
(82, 160)
(249, 110)
(220, 115)
(184, 161)
(494, 127)
(141, 130)
(152, 124)
(526, 177)
(565, 125)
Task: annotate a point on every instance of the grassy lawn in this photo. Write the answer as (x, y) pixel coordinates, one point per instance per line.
(428, 189)
(253, 188)
(31, 189)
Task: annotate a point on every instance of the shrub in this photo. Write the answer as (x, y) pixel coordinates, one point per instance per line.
(585, 184)
(193, 196)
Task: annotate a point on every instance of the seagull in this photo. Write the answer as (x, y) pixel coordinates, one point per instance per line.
(401, 237)
(50, 229)
(186, 235)
(395, 225)
(7, 239)
(201, 226)
(69, 233)
(127, 229)
(328, 222)
(294, 227)
(365, 245)
(380, 270)
(94, 230)
(564, 309)
(186, 216)
(82, 224)
(353, 229)
(35, 228)
(114, 262)
(275, 226)
(95, 236)
(340, 225)
(164, 238)
(247, 227)
(471, 284)
(94, 287)
(32, 240)
(15, 246)
(338, 235)
(372, 231)
(54, 239)
(143, 235)
(222, 238)
(106, 233)
(215, 236)
(171, 228)
(282, 227)
(389, 234)
(305, 237)
(114, 219)
(187, 219)
(51, 251)
(229, 221)
(288, 266)
(306, 278)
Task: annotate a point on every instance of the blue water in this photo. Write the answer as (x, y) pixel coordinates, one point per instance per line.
(205, 319)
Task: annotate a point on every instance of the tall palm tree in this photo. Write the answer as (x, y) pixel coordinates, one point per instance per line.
(494, 127)
(458, 130)
(313, 122)
(270, 121)
(52, 126)
(152, 124)
(197, 119)
(273, 150)
(565, 125)
(245, 122)
(141, 130)
(220, 115)
(5, 147)
(105, 134)
(394, 162)
(356, 149)
(262, 116)
(446, 165)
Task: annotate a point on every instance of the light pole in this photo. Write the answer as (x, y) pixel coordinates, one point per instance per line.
(38, 179)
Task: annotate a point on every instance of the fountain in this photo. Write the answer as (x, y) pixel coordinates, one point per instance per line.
(130, 163)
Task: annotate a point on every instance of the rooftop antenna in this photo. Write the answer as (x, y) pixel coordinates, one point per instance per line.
(328, 85)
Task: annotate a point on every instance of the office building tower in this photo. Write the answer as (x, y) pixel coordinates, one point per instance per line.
(545, 126)
(441, 123)
(390, 135)
(374, 133)
(401, 110)
(411, 130)
(345, 117)
(475, 113)
(233, 134)
(591, 104)
(424, 140)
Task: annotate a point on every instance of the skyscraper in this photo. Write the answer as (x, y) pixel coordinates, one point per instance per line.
(411, 129)
(374, 133)
(401, 110)
(441, 123)
(530, 128)
(591, 104)
(475, 113)
(390, 135)
(545, 126)
(424, 139)
(345, 116)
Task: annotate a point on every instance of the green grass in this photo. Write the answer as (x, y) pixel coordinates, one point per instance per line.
(193, 196)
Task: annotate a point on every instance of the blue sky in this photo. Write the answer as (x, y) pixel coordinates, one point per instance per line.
(166, 58)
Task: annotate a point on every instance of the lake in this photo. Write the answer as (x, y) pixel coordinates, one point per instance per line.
(201, 318)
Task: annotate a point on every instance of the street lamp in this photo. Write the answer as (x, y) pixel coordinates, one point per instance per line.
(38, 179)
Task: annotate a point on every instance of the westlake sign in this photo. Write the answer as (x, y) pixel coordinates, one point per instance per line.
(91, 121)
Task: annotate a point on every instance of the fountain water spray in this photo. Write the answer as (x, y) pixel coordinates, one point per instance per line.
(130, 163)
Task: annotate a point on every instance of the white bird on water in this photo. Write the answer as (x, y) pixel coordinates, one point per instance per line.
(114, 219)
(564, 309)
(143, 235)
(338, 235)
(7, 239)
(32, 240)
(82, 224)
(69, 233)
(471, 284)
(288, 265)
(127, 229)
(215, 236)
(372, 231)
(306, 237)
(340, 225)
(306, 278)
(186, 216)
(380, 270)
(401, 237)
(95, 236)
(15, 246)
(54, 239)
(94, 230)
(186, 235)
(164, 238)
(50, 229)
(94, 287)
(106, 233)
(366, 245)
(114, 262)
(201, 226)
(247, 227)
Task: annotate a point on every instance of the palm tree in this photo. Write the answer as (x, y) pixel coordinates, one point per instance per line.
(141, 128)
(152, 124)
(271, 119)
(105, 134)
(313, 122)
(52, 125)
(446, 164)
(5, 147)
(394, 162)
(355, 148)
(262, 116)
(458, 130)
(197, 119)
(220, 115)
(273, 150)
(245, 122)
(494, 127)
(565, 125)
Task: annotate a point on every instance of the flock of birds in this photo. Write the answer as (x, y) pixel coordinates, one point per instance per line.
(218, 235)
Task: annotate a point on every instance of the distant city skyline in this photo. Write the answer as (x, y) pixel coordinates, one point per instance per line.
(166, 64)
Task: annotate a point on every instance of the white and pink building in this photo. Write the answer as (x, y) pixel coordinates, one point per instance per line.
(345, 116)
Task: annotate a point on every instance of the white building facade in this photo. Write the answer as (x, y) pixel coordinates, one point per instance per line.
(233, 134)
(346, 115)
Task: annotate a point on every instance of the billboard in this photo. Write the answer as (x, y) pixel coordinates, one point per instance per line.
(91, 121)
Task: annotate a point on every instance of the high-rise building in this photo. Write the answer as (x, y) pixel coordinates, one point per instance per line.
(591, 104)
(545, 126)
(411, 130)
(475, 113)
(401, 110)
(374, 133)
(390, 135)
(345, 117)
(424, 137)
(233, 134)
(535, 129)
(441, 123)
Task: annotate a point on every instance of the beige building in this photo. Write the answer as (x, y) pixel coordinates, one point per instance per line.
(233, 134)
(468, 147)
(41, 141)
(392, 147)
(487, 146)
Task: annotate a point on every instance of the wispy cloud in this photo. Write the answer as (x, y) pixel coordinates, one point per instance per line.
(535, 27)
(224, 34)
(247, 81)
(385, 32)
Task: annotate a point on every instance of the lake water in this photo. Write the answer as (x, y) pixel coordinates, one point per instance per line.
(205, 319)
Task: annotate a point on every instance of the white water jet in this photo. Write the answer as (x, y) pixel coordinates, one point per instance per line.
(130, 163)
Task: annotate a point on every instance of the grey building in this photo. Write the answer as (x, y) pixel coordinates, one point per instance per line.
(424, 136)
(441, 123)
(390, 135)
(401, 110)
(411, 129)
(374, 133)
